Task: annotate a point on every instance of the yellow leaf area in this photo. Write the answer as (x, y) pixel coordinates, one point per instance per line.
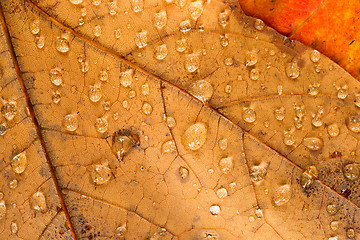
(170, 120)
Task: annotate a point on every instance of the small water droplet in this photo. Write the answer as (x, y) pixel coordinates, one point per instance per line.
(185, 26)
(192, 62)
(258, 173)
(18, 163)
(292, 70)
(56, 76)
(259, 213)
(353, 123)
(103, 75)
(101, 125)
(97, 31)
(126, 77)
(171, 122)
(334, 225)
(183, 172)
(122, 142)
(316, 121)
(100, 174)
(195, 9)
(224, 40)
(76, 2)
(168, 147)
(224, 17)
(229, 61)
(13, 227)
(35, 26)
(351, 171)
(259, 24)
(228, 89)
(282, 195)
(202, 90)
(307, 177)
(147, 108)
(251, 58)
(226, 164)
(350, 233)
(13, 184)
(38, 201)
(331, 209)
(315, 56)
(221, 193)
(141, 39)
(112, 7)
(342, 93)
(2, 209)
(62, 44)
(117, 33)
(333, 130)
(1, 195)
(40, 42)
(181, 45)
(249, 115)
(280, 113)
(160, 19)
(132, 94)
(289, 138)
(195, 136)
(215, 210)
(125, 104)
(161, 52)
(223, 143)
(107, 105)
(84, 66)
(313, 143)
(9, 110)
(254, 74)
(71, 122)
(137, 5)
(2, 128)
(95, 93)
(145, 89)
(120, 231)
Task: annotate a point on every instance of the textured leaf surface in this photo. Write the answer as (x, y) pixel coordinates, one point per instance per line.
(218, 123)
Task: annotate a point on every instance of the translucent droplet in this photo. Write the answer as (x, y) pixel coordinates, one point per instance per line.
(215, 210)
(168, 147)
(62, 44)
(307, 177)
(229, 61)
(14, 227)
(350, 233)
(141, 39)
(132, 94)
(137, 5)
(289, 138)
(95, 93)
(224, 17)
(125, 104)
(56, 76)
(76, 2)
(120, 231)
(259, 24)
(202, 90)
(126, 77)
(13, 184)
(254, 74)
(192, 62)
(112, 7)
(195, 136)
(56, 97)
(97, 31)
(195, 9)
(333, 130)
(2, 128)
(160, 19)
(117, 33)
(334, 225)
(100, 174)
(71, 122)
(282, 195)
(40, 42)
(315, 56)
(221, 193)
(145, 89)
(228, 89)
(185, 26)
(313, 143)
(249, 115)
(2, 209)
(38, 201)
(226, 164)
(279, 113)
(19, 163)
(35, 26)
(9, 110)
(147, 108)
(171, 122)
(1, 195)
(223, 143)
(333, 238)
(316, 121)
(342, 93)
(331, 209)
(224, 41)
(259, 213)
(101, 125)
(251, 58)
(183, 172)
(258, 173)
(122, 142)
(103, 75)
(292, 70)
(351, 171)
(84, 66)
(83, 12)
(181, 45)
(161, 52)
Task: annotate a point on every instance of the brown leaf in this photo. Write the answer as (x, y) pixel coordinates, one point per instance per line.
(170, 120)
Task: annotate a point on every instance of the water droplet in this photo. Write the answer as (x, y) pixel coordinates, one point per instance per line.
(195, 136)
(316, 121)
(112, 7)
(1, 195)
(258, 173)
(62, 44)
(117, 33)
(249, 115)
(259, 213)
(141, 39)
(224, 17)
(19, 162)
(2, 209)
(83, 12)
(14, 227)
(84, 66)
(292, 70)
(331, 209)
(56, 76)
(195, 9)
(120, 231)
(168, 147)
(35, 26)
(259, 24)
(183, 172)
(353, 123)
(282, 195)
(132, 94)
(350, 233)
(223, 143)
(334, 225)
(315, 56)
(192, 62)
(147, 108)
(97, 31)
(2, 128)
(125, 104)
(171, 122)
(221, 193)
(351, 171)
(228, 89)
(215, 210)
(9, 110)
(229, 61)
(122, 142)
(333, 130)
(101, 125)
(251, 218)
(357, 100)
(280, 113)
(13, 184)
(202, 90)
(76, 2)
(181, 45)
(126, 77)
(185, 26)
(95, 93)
(224, 41)
(38, 201)
(251, 58)
(137, 5)
(145, 89)
(161, 52)
(342, 93)
(103, 75)
(160, 19)
(333, 238)
(254, 74)
(289, 138)
(226, 164)
(40, 42)
(313, 143)
(100, 174)
(307, 177)
(71, 122)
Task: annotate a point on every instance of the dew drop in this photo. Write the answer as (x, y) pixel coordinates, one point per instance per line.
(353, 123)
(183, 172)
(38, 201)
(117, 33)
(168, 147)
(228, 89)
(160, 19)
(221, 193)
(223, 18)
(171, 122)
(76, 2)
(112, 7)
(223, 143)
(137, 5)
(100, 174)
(224, 41)
(331, 209)
(229, 61)
(185, 26)
(62, 44)
(147, 108)
(333, 130)
(226, 164)
(56, 76)
(254, 74)
(313, 143)
(249, 115)
(258, 173)
(97, 31)
(259, 213)
(292, 70)
(101, 125)
(350, 233)
(195, 136)
(35, 26)
(56, 97)
(181, 45)
(251, 58)
(141, 39)
(95, 93)
(289, 138)
(122, 142)
(282, 195)
(71, 122)
(161, 52)
(2, 209)
(315, 56)
(13, 184)
(279, 113)
(120, 231)
(84, 66)
(2, 128)
(195, 9)
(103, 76)
(106, 105)
(351, 171)
(215, 210)
(192, 62)
(14, 227)
(18, 163)
(40, 42)
(334, 225)
(259, 24)
(126, 77)
(202, 90)
(342, 93)
(307, 177)
(9, 110)
(132, 94)
(125, 104)
(145, 89)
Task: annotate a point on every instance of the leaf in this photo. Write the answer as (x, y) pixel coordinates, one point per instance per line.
(328, 26)
(193, 126)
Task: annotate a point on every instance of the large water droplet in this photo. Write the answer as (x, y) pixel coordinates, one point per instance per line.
(14, 227)
(122, 142)
(146, 108)
(221, 193)
(100, 174)
(195, 9)
(202, 90)
(35, 26)
(181, 45)
(95, 93)
(251, 58)
(353, 123)
(192, 62)
(161, 52)
(97, 31)
(168, 147)
(195, 136)
(279, 113)
(292, 70)
(38, 201)
(112, 7)
(350, 233)
(333, 130)
(215, 210)
(40, 42)
(62, 44)
(126, 77)
(120, 231)
(254, 74)
(258, 173)
(351, 171)
(223, 143)
(9, 110)
(259, 24)
(315, 56)
(224, 17)
(282, 195)
(56, 76)
(141, 39)
(313, 143)
(331, 209)
(56, 97)
(160, 19)
(71, 122)
(226, 164)
(185, 26)
(249, 115)
(224, 40)
(101, 125)
(145, 89)
(19, 162)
